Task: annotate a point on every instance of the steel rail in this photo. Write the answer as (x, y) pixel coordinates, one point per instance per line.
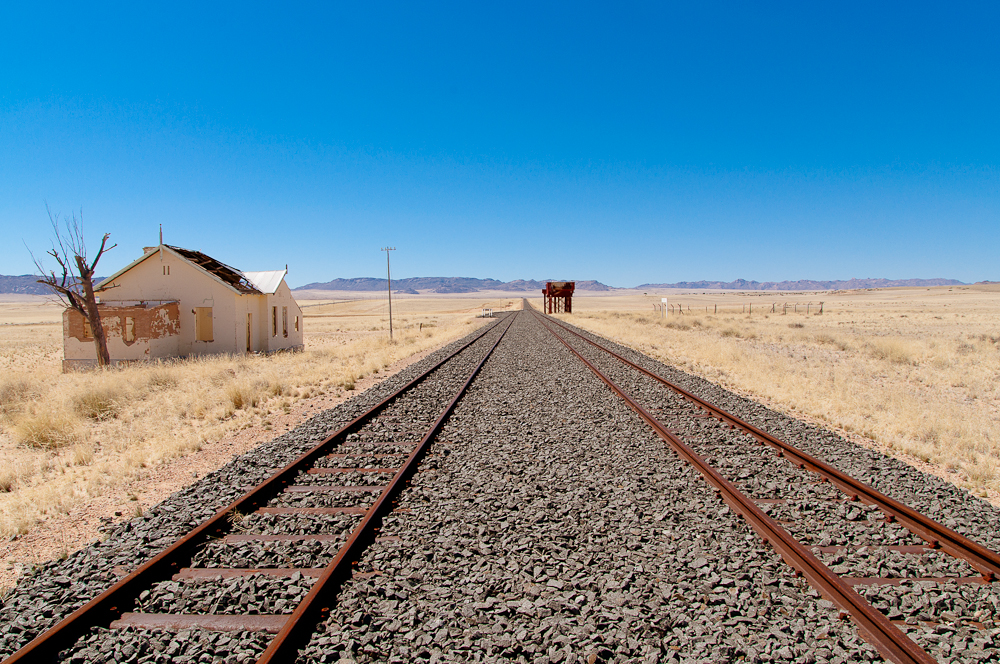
(113, 602)
(316, 605)
(984, 560)
(888, 639)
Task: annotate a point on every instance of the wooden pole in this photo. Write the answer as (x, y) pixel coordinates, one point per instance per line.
(388, 277)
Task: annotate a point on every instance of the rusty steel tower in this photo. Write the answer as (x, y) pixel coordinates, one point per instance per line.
(559, 297)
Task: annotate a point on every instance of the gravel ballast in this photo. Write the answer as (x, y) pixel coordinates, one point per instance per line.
(548, 524)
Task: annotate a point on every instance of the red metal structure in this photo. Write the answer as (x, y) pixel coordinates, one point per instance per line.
(559, 297)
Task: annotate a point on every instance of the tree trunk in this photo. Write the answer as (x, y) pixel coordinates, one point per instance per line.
(93, 315)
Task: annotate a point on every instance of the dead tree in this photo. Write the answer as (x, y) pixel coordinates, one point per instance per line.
(75, 286)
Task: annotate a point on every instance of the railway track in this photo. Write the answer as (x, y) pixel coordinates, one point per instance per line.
(543, 520)
(358, 458)
(888, 638)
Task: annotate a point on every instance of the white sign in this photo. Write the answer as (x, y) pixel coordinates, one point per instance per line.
(663, 300)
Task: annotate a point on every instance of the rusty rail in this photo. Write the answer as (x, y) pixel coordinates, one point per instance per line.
(113, 602)
(315, 607)
(888, 639)
(984, 560)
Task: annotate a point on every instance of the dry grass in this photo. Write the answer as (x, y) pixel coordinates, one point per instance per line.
(67, 437)
(915, 370)
(46, 428)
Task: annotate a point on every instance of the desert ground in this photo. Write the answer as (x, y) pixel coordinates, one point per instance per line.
(79, 450)
(911, 372)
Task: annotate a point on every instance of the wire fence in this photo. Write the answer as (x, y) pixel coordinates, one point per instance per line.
(780, 308)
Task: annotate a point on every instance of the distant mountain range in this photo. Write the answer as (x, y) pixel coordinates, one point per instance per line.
(414, 285)
(470, 285)
(805, 284)
(27, 284)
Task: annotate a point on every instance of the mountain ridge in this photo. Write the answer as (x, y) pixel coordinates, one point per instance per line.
(24, 284)
(27, 284)
(444, 285)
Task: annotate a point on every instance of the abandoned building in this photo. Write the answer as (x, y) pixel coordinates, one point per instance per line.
(175, 302)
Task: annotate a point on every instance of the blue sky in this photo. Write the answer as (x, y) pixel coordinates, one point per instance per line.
(623, 142)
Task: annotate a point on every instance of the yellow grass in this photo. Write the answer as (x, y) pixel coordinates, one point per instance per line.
(67, 437)
(916, 370)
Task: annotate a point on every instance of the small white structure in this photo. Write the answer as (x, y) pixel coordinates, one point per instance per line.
(175, 302)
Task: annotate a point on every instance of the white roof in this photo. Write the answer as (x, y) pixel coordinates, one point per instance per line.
(266, 281)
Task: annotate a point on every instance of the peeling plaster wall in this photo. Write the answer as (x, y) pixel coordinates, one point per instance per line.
(192, 288)
(156, 329)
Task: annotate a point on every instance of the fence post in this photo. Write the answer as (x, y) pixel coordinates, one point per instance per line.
(821, 307)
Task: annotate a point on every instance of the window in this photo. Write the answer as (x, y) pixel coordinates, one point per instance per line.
(203, 324)
(284, 321)
(129, 329)
(274, 321)
(88, 331)
(166, 270)
(296, 323)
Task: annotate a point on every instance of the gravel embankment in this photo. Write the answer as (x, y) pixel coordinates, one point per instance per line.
(549, 524)
(938, 499)
(57, 588)
(817, 514)
(558, 528)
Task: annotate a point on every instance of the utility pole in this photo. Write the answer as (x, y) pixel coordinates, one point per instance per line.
(388, 276)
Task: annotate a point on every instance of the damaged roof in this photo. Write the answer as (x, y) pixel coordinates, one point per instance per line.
(245, 283)
(230, 275)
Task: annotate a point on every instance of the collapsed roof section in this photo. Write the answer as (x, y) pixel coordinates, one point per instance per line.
(246, 283)
(230, 275)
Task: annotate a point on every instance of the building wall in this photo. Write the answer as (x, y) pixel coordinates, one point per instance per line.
(164, 276)
(192, 288)
(154, 334)
(261, 309)
(282, 299)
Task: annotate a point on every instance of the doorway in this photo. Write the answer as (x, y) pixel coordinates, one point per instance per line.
(249, 333)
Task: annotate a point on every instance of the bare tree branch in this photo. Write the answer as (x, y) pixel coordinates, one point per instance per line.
(75, 286)
(100, 252)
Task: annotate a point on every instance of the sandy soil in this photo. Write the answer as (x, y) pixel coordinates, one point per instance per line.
(58, 536)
